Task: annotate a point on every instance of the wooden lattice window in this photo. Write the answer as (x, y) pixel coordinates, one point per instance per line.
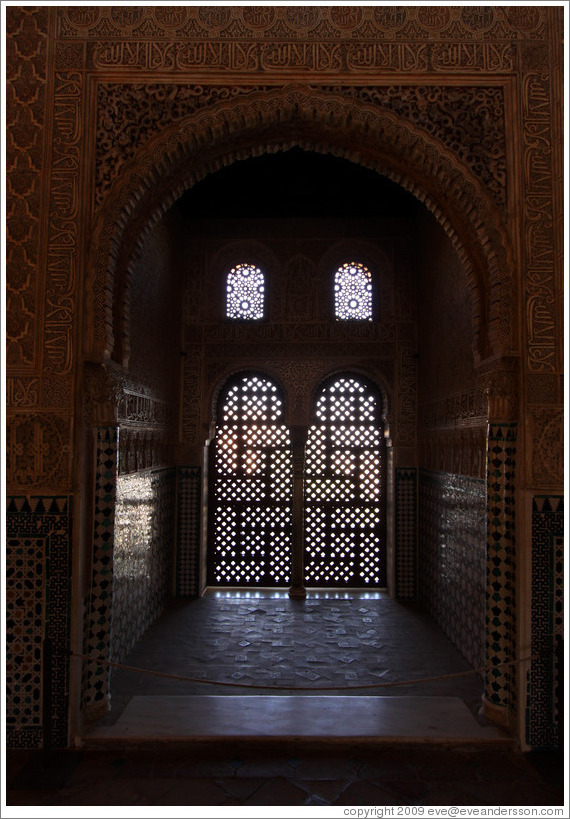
(245, 293)
(252, 487)
(353, 292)
(345, 480)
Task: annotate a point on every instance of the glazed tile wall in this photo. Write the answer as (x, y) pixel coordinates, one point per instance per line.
(500, 684)
(98, 605)
(188, 530)
(451, 558)
(142, 555)
(405, 517)
(38, 591)
(544, 678)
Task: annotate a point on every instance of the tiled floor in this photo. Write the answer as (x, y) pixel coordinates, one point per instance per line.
(299, 646)
(346, 644)
(237, 774)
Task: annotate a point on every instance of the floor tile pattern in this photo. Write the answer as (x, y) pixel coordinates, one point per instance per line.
(342, 641)
(233, 774)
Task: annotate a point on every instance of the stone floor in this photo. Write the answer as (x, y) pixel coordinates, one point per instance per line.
(347, 643)
(298, 646)
(245, 774)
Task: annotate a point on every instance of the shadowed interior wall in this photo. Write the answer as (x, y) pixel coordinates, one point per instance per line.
(144, 526)
(451, 507)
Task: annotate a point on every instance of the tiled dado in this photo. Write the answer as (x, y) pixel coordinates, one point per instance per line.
(406, 517)
(500, 686)
(189, 496)
(98, 604)
(544, 677)
(451, 557)
(38, 571)
(142, 554)
(133, 541)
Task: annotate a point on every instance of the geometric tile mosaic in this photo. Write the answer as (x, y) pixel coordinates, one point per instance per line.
(142, 554)
(98, 605)
(501, 689)
(451, 558)
(544, 677)
(38, 587)
(405, 517)
(189, 492)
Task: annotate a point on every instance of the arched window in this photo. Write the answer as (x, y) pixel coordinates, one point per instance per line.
(251, 487)
(353, 292)
(245, 293)
(345, 480)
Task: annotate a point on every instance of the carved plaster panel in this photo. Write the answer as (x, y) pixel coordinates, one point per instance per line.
(38, 450)
(469, 120)
(477, 24)
(547, 446)
(539, 233)
(26, 56)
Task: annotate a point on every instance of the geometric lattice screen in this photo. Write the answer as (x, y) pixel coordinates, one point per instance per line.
(252, 488)
(353, 292)
(245, 293)
(345, 494)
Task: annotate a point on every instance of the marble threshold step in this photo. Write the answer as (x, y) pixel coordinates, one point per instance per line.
(159, 717)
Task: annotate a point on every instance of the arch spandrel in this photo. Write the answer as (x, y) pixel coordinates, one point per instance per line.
(280, 119)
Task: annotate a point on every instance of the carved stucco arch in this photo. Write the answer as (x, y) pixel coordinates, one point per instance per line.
(279, 119)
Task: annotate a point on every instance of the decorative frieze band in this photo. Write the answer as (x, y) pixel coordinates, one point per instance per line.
(310, 57)
(329, 23)
(64, 226)
(539, 233)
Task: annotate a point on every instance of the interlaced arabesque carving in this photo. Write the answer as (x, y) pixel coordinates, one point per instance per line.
(468, 120)
(129, 114)
(38, 449)
(252, 490)
(547, 446)
(344, 488)
(26, 54)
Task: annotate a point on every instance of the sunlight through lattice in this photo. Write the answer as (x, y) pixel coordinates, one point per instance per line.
(245, 293)
(252, 488)
(344, 488)
(353, 292)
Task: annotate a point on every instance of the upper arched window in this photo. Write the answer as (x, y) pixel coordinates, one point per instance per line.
(245, 293)
(353, 292)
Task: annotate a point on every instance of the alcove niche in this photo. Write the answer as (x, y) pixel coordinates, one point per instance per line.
(298, 216)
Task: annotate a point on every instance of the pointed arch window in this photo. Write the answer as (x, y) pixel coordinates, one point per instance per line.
(353, 292)
(245, 293)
